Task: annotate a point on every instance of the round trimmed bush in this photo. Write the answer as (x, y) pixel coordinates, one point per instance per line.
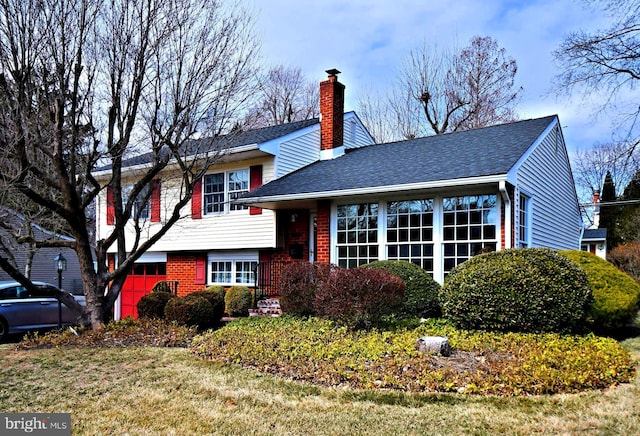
(421, 291)
(191, 311)
(238, 301)
(517, 290)
(359, 297)
(161, 286)
(298, 283)
(615, 293)
(215, 296)
(152, 305)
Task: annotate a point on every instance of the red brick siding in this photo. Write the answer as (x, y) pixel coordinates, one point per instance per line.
(182, 268)
(323, 244)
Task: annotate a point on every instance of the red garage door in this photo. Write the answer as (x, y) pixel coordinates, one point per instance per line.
(139, 283)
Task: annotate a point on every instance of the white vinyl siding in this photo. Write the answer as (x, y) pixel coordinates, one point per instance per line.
(298, 152)
(545, 175)
(229, 231)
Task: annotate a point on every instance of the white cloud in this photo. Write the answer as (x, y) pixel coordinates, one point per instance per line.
(367, 40)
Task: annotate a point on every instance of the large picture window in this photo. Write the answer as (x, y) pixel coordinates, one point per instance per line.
(470, 226)
(410, 232)
(221, 188)
(357, 234)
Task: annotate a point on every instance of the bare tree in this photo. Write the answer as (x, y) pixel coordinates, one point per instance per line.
(86, 84)
(451, 90)
(486, 77)
(606, 64)
(283, 95)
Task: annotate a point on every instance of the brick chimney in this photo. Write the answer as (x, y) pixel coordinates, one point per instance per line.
(596, 210)
(331, 116)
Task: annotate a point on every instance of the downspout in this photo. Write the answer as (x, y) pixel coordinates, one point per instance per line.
(502, 186)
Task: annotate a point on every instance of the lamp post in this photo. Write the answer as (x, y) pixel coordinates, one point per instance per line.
(61, 265)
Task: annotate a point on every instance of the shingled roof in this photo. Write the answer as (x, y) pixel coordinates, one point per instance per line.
(229, 142)
(473, 153)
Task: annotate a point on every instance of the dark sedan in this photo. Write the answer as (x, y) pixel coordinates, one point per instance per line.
(22, 310)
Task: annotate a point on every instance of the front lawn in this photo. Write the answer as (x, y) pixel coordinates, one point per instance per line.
(164, 391)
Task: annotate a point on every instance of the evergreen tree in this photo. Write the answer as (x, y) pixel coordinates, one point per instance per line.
(609, 214)
(629, 220)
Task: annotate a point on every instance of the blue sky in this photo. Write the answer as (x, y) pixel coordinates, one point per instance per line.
(368, 39)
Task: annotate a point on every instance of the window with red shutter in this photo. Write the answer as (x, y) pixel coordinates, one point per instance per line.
(255, 181)
(111, 214)
(196, 201)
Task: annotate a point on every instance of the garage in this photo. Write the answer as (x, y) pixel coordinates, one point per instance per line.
(139, 282)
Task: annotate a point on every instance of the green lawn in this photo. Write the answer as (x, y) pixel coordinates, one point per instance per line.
(146, 391)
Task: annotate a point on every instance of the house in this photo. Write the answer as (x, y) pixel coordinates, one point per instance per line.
(595, 242)
(43, 267)
(435, 201)
(217, 241)
(594, 239)
(321, 190)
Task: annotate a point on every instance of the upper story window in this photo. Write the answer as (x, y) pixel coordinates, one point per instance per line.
(221, 188)
(140, 206)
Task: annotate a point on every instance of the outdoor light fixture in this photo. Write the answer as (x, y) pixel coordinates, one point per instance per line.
(61, 265)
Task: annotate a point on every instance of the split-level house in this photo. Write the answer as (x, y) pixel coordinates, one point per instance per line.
(322, 190)
(217, 241)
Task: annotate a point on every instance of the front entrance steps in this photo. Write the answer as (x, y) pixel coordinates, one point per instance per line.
(268, 307)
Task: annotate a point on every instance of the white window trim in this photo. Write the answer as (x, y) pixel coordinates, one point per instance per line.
(233, 257)
(438, 237)
(529, 216)
(226, 200)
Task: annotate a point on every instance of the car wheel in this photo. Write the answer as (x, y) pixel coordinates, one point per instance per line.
(4, 329)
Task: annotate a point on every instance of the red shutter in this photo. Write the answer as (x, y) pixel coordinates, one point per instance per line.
(255, 181)
(155, 201)
(201, 270)
(111, 213)
(196, 201)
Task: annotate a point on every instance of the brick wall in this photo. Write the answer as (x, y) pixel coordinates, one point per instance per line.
(182, 268)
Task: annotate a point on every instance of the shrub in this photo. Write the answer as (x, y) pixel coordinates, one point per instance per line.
(238, 301)
(298, 283)
(615, 293)
(519, 290)
(152, 305)
(421, 291)
(161, 286)
(318, 351)
(360, 297)
(626, 257)
(190, 311)
(215, 296)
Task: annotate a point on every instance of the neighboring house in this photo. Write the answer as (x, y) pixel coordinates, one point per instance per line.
(594, 239)
(435, 201)
(595, 242)
(217, 241)
(43, 267)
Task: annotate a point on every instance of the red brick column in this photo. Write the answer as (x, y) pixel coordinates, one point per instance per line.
(323, 248)
(182, 268)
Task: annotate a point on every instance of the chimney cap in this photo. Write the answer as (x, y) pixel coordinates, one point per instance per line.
(332, 72)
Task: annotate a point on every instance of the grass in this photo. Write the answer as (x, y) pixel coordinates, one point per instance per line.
(164, 391)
